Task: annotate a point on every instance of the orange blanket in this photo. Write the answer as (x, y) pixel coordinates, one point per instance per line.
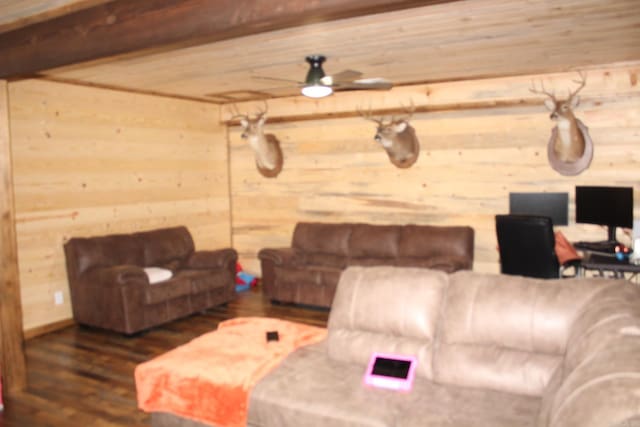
(209, 379)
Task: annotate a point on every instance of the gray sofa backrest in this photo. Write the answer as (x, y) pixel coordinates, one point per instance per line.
(543, 338)
(507, 333)
(386, 309)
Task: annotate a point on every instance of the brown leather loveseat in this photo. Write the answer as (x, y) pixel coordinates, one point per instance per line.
(110, 289)
(308, 271)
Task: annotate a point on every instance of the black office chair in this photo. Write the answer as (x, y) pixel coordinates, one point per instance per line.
(527, 247)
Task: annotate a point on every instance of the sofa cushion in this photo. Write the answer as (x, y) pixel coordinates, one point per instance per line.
(386, 309)
(371, 262)
(318, 284)
(319, 259)
(423, 241)
(308, 389)
(322, 238)
(106, 251)
(173, 265)
(205, 280)
(506, 333)
(167, 290)
(163, 246)
(374, 241)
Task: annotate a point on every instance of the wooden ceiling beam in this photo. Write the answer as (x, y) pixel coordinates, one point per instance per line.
(123, 27)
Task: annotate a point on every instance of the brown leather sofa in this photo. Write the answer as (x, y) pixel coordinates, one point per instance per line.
(110, 289)
(309, 270)
(492, 350)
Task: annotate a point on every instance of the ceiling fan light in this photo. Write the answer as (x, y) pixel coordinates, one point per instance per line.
(317, 91)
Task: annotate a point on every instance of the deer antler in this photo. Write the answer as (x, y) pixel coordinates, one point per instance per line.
(367, 116)
(408, 113)
(543, 91)
(261, 113)
(236, 114)
(581, 83)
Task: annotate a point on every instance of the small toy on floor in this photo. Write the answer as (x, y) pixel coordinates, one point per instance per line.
(244, 280)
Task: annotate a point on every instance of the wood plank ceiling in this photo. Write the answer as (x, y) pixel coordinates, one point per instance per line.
(438, 42)
(20, 13)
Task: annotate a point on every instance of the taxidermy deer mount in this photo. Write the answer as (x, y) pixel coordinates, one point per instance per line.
(570, 148)
(397, 137)
(266, 147)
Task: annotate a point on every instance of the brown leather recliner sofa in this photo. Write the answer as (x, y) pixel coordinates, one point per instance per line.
(309, 270)
(110, 289)
(492, 350)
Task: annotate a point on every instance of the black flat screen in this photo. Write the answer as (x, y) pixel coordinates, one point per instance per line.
(553, 205)
(391, 367)
(612, 206)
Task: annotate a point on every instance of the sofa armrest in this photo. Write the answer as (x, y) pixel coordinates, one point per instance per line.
(601, 367)
(220, 258)
(110, 297)
(446, 263)
(269, 259)
(115, 276)
(450, 263)
(603, 390)
(278, 256)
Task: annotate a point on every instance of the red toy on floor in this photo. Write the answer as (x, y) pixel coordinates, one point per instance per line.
(244, 281)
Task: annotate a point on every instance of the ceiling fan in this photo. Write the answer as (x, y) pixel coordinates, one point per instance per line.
(318, 84)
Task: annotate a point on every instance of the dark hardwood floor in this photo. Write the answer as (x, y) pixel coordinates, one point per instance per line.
(81, 377)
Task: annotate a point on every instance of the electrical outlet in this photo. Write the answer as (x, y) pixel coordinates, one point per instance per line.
(58, 298)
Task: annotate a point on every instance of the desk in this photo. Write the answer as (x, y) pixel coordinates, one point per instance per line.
(608, 264)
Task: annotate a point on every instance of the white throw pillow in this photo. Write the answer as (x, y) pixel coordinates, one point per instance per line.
(157, 274)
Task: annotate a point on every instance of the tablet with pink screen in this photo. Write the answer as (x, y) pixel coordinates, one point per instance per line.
(392, 371)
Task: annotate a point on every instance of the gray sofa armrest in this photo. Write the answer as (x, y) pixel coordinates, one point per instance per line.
(220, 258)
(601, 367)
(602, 391)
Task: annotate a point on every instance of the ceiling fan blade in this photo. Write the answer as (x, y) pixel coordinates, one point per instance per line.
(364, 84)
(277, 79)
(346, 76)
(282, 91)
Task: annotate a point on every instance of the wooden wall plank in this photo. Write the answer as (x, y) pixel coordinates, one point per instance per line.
(13, 365)
(93, 162)
(471, 157)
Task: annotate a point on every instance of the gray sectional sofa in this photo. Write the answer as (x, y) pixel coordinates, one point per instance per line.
(493, 351)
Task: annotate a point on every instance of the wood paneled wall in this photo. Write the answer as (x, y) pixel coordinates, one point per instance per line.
(12, 358)
(480, 140)
(91, 161)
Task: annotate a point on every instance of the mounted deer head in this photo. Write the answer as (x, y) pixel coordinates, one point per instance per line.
(569, 142)
(266, 147)
(397, 137)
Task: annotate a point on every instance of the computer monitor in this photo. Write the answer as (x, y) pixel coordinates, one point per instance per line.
(553, 205)
(610, 206)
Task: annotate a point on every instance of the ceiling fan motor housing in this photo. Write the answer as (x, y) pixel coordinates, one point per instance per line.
(315, 70)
